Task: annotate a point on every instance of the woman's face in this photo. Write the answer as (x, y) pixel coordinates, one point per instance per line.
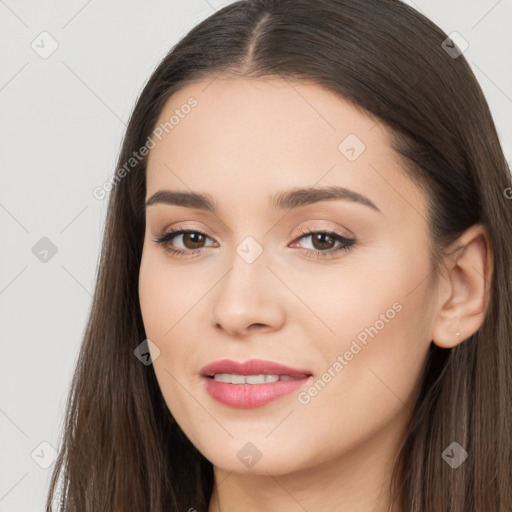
(353, 307)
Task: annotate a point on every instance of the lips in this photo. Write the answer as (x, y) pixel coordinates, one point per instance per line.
(252, 367)
(238, 392)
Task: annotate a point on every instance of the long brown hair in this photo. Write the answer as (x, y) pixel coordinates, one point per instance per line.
(122, 449)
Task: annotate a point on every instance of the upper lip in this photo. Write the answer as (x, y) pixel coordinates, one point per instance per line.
(251, 367)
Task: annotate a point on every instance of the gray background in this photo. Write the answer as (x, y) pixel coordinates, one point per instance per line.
(62, 120)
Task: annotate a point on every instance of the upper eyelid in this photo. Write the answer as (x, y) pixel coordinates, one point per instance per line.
(321, 229)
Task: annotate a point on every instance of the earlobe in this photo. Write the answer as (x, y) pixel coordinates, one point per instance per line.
(464, 293)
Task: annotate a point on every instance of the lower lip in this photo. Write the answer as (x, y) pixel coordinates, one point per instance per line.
(250, 396)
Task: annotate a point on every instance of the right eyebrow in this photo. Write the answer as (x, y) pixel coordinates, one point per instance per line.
(185, 199)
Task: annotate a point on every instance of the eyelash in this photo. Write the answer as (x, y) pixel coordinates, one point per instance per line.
(166, 237)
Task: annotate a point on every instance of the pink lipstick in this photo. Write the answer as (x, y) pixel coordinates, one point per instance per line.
(251, 384)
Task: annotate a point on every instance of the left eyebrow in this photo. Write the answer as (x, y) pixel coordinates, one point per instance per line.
(289, 199)
(302, 196)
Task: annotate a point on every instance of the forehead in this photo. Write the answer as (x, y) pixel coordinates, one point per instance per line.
(245, 113)
(252, 135)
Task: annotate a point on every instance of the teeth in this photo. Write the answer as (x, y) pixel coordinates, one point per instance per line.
(230, 378)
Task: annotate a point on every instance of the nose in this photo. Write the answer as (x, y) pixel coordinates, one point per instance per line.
(249, 298)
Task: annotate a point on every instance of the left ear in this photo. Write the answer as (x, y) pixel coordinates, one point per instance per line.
(463, 291)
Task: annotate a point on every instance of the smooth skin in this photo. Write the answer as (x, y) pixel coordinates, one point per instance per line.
(246, 141)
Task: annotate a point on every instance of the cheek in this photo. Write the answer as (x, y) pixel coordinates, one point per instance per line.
(165, 294)
(365, 291)
(380, 319)
(154, 297)
(170, 298)
(164, 307)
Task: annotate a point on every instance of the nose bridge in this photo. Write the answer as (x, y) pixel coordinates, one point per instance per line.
(246, 295)
(248, 270)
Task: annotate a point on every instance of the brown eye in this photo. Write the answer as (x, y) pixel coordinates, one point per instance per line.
(193, 240)
(323, 241)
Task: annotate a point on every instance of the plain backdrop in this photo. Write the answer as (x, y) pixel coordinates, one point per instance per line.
(69, 76)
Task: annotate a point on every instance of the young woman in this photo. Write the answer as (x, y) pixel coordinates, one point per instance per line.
(304, 294)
